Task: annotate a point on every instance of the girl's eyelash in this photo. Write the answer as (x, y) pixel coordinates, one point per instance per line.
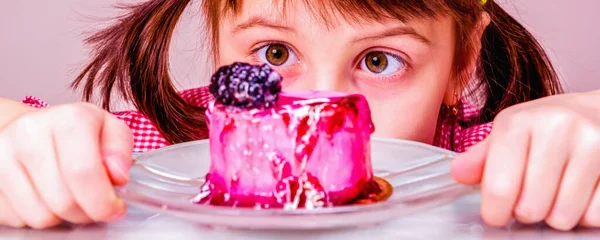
(400, 59)
(397, 57)
(252, 53)
(254, 50)
(394, 55)
(386, 79)
(391, 77)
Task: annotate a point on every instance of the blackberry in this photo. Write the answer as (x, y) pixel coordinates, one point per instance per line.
(246, 86)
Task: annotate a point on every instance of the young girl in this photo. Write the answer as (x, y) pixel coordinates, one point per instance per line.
(435, 71)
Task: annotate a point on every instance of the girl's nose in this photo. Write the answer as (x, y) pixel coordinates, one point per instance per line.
(324, 78)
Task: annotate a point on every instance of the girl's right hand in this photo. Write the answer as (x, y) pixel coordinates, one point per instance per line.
(60, 164)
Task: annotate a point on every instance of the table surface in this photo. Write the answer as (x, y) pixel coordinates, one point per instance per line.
(458, 220)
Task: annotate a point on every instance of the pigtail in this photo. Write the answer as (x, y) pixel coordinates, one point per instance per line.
(513, 66)
(133, 56)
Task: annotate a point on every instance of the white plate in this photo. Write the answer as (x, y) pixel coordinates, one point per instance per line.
(165, 180)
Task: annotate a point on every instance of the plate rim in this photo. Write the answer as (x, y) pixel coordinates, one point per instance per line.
(373, 139)
(251, 212)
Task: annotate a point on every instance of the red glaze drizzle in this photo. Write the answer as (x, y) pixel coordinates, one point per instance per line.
(305, 190)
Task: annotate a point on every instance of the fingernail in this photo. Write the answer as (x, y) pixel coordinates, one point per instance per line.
(121, 213)
(118, 217)
(118, 170)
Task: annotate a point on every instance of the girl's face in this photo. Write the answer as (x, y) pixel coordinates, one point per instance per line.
(404, 69)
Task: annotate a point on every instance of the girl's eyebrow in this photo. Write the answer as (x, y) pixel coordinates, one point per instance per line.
(396, 31)
(258, 21)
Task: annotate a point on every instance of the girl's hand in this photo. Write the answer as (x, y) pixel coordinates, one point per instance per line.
(540, 163)
(61, 164)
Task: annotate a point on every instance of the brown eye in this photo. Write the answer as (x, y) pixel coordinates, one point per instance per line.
(277, 54)
(376, 62)
(382, 63)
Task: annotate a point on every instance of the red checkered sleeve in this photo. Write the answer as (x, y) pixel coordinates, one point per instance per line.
(453, 135)
(466, 138)
(34, 102)
(146, 136)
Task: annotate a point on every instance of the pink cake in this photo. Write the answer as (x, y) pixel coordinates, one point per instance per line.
(305, 150)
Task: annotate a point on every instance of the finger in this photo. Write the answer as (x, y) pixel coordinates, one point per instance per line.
(504, 168)
(546, 164)
(468, 167)
(18, 190)
(578, 183)
(8, 216)
(117, 147)
(592, 216)
(80, 162)
(42, 166)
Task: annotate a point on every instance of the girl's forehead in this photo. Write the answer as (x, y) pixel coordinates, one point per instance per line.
(316, 17)
(334, 12)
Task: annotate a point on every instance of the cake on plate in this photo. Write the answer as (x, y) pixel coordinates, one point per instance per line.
(274, 149)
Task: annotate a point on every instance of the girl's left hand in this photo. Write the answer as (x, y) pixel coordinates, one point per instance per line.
(540, 163)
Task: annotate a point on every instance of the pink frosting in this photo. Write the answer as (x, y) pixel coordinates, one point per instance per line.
(312, 150)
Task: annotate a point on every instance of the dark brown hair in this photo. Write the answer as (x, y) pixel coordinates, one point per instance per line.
(133, 55)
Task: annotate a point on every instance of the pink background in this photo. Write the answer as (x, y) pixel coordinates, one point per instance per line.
(41, 49)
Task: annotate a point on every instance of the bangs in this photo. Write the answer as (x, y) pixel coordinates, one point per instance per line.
(331, 13)
(353, 11)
